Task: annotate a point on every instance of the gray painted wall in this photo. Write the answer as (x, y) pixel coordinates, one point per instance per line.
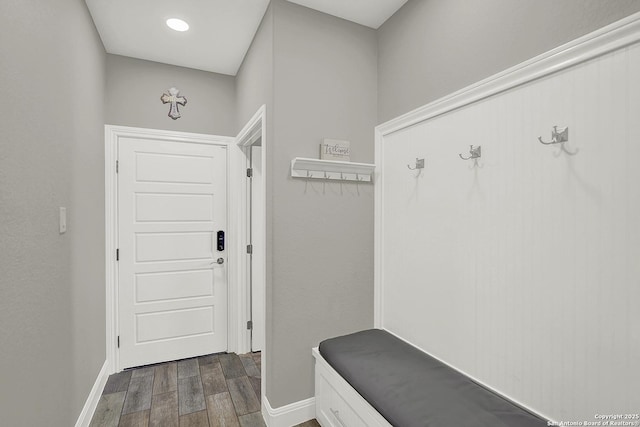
(322, 245)
(254, 81)
(254, 88)
(52, 339)
(134, 87)
(431, 48)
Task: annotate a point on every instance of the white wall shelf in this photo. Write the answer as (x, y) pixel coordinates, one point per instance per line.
(331, 170)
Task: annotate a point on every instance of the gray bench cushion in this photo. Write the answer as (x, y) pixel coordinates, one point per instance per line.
(410, 388)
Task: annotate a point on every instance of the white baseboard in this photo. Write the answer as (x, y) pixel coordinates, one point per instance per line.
(288, 415)
(284, 416)
(94, 397)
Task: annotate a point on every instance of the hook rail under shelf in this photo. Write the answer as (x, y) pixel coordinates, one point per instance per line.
(331, 170)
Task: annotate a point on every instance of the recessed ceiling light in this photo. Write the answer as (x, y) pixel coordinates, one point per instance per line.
(177, 24)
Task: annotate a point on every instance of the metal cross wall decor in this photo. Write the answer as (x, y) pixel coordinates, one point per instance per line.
(174, 99)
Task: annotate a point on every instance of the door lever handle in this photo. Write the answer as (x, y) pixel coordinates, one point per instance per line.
(218, 261)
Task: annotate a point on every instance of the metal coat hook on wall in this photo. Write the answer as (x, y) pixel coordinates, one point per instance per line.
(475, 153)
(559, 136)
(419, 165)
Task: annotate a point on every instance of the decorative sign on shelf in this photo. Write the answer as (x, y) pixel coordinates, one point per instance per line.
(173, 98)
(335, 149)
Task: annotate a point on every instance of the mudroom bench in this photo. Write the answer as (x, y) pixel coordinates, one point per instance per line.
(373, 379)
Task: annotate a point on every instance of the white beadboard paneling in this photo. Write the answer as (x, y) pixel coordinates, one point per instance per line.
(632, 236)
(523, 270)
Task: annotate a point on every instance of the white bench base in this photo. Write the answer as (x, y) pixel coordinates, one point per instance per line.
(338, 404)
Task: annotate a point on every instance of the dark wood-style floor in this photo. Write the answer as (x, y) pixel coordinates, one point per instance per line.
(207, 391)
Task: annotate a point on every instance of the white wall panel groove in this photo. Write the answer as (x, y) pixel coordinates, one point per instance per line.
(523, 271)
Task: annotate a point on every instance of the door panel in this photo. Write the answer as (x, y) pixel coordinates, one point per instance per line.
(174, 207)
(169, 168)
(174, 324)
(172, 295)
(173, 246)
(173, 285)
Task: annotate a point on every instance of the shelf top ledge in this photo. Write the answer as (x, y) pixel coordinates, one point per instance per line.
(303, 163)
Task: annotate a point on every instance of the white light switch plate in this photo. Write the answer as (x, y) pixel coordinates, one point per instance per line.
(63, 220)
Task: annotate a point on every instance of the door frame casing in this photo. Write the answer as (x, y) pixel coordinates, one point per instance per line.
(112, 135)
(253, 130)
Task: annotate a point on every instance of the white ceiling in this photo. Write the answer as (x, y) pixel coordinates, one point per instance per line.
(371, 13)
(220, 31)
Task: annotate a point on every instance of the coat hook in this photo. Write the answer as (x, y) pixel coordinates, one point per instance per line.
(419, 165)
(558, 135)
(476, 153)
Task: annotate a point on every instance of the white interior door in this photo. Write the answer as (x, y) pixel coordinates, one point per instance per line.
(172, 279)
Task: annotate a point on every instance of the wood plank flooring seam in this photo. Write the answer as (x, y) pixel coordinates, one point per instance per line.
(150, 395)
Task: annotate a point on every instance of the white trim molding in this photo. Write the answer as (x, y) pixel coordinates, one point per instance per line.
(288, 415)
(615, 36)
(91, 404)
(111, 243)
(112, 134)
(600, 42)
(378, 237)
(255, 129)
